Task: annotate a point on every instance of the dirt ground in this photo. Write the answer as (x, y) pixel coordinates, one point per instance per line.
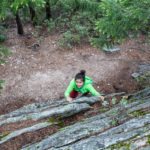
(39, 70)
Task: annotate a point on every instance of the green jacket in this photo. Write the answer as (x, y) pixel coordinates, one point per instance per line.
(87, 87)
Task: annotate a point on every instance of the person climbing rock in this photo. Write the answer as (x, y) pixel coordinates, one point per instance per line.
(81, 84)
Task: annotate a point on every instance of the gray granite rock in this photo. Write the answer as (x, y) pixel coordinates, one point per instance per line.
(77, 137)
(141, 70)
(145, 148)
(141, 94)
(25, 130)
(33, 108)
(39, 107)
(94, 133)
(138, 143)
(61, 111)
(111, 49)
(98, 132)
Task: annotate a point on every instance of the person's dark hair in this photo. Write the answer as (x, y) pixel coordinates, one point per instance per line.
(80, 75)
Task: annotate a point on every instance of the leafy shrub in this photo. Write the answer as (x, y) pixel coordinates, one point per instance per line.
(50, 24)
(2, 38)
(77, 29)
(69, 39)
(2, 34)
(4, 52)
(1, 84)
(120, 19)
(123, 101)
(4, 134)
(144, 80)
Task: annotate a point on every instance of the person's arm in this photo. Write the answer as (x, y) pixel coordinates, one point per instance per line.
(92, 90)
(69, 89)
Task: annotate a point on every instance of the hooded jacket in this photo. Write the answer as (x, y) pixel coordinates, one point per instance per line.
(87, 87)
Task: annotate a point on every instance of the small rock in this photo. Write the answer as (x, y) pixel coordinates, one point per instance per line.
(135, 75)
(113, 49)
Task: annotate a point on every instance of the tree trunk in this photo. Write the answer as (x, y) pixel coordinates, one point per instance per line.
(32, 13)
(76, 7)
(48, 10)
(97, 15)
(19, 24)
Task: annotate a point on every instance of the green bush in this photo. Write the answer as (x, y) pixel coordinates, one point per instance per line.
(2, 38)
(144, 80)
(120, 19)
(2, 34)
(4, 52)
(50, 24)
(1, 84)
(78, 29)
(102, 22)
(69, 39)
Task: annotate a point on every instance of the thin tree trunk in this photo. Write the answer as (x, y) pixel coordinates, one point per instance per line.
(19, 24)
(32, 13)
(76, 7)
(97, 15)
(48, 10)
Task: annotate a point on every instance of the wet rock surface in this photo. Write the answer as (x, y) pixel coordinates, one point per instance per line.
(125, 125)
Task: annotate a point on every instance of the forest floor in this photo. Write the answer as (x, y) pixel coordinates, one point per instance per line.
(40, 70)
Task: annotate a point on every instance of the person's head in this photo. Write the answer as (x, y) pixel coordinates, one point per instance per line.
(80, 78)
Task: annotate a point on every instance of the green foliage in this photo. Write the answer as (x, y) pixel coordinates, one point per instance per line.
(56, 120)
(4, 5)
(17, 4)
(120, 145)
(148, 141)
(76, 20)
(2, 82)
(2, 38)
(124, 102)
(114, 112)
(144, 80)
(121, 111)
(72, 6)
(12, 7)
(50, 24)
(114, 122)
(114, 100)
(120, 19)
(103, 23)
(52, 120)
(79, 29)
(4, 134)
(4, 52)
(102, 110)
(69, 39)
(2, 34)
(137, 113)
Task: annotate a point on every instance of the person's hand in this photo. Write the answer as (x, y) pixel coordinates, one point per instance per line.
(102, 98)
(69, 99)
